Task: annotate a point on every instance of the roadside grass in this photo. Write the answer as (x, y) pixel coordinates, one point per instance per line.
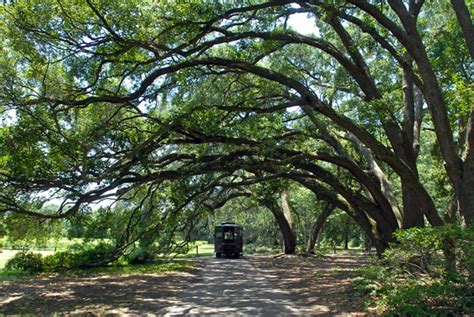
(127, 269)
(6, 276)
(199, 248)
(194, 249)
(113, 270)
(57, 244)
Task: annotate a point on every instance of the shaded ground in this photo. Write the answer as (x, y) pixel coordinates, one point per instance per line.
(89, 296)
(235, 287)
(269, 286)
(256, 285)
(321, 285)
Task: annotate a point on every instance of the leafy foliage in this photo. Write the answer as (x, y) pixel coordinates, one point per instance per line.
(412, 278)
(82, 257)
(26, 261)
(76, 258)
(142, 255)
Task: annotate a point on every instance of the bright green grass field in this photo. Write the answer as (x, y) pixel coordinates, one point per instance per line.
(203, 249)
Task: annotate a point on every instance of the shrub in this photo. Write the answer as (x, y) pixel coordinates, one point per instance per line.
(181, 248)
(423, 250)
(414, 279)
(81, 256)
(60, 261)
(141, 256)
(412, 298)
(256, 249)
(26, 261)
(96, 255)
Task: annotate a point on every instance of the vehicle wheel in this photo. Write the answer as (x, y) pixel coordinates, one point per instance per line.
(218, 255)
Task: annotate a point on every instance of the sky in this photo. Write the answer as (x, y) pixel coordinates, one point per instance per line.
(302, 24)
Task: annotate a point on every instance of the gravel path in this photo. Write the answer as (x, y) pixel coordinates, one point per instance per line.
(235, 287)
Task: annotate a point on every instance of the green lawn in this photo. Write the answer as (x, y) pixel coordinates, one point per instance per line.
(203, 249)
(197, 248)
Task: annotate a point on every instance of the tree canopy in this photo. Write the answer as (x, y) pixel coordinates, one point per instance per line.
(172, 109)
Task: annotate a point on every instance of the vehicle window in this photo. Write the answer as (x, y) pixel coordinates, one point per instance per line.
(218, 234)
(228, 235)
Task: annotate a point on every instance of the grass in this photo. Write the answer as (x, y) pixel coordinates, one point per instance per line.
(149, 268)
(113, 270)
(56, 244)
(200, 249)
(195, 249)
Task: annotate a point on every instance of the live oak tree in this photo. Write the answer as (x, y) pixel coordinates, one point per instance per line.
(104, 100)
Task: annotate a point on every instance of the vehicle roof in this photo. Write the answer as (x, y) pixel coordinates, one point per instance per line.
(228, 224)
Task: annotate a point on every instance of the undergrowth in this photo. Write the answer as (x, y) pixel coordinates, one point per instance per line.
(81, 261)
(413, 278)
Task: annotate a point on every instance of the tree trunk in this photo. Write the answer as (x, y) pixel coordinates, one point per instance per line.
(412, 212)
(380, 151)
(285, 206)
(464, 19)
(466, 199)
(353, 210)
(288, 248)
(367, 244)
(409, 147)
(434, 97)
(379, 174)
(288, 236)
(317, 226)
(401, 139)
(346, 236)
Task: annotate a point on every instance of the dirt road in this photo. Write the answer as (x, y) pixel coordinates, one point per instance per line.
(237, 287)
(251, 286)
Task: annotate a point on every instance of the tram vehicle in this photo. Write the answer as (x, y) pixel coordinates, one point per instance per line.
(228, 240)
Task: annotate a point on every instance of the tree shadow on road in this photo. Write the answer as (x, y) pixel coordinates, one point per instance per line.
(123, 294)
(322, 281)
(234, 286)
